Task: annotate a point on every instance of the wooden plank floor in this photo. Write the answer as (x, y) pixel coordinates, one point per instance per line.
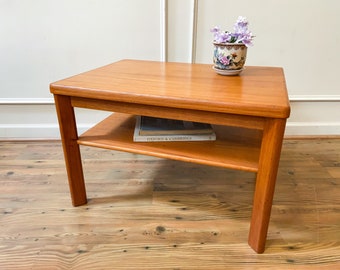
(150, 213)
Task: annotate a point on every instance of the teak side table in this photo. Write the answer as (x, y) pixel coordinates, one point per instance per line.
(248, 112)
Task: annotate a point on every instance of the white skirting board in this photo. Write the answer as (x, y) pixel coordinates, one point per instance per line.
(36, 118)
(51, 132)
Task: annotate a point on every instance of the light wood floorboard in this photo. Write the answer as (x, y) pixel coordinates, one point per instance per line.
(150, 213)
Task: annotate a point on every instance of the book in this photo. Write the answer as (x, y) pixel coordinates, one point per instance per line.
(162, 126)
(153, 129)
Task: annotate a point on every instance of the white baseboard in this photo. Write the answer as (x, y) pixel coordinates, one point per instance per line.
(312, 129)
(26, 101)
(35, 131)
(51, 132)
(314, 98)
(39, 120)
(36, 118)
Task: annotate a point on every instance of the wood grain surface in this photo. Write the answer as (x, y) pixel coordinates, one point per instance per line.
(257, 96)
(258, 91)
(151, 213)
(235, 147)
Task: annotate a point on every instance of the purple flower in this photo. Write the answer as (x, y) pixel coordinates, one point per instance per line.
(219, 36)
(241, 33)
(245, 37)
(216, 29)
(241, 22)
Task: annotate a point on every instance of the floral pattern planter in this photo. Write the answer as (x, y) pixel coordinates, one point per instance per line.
(229, 56)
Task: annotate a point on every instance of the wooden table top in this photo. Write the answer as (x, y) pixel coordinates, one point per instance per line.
(257, 91)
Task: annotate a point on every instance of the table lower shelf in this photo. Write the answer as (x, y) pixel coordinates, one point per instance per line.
(235, 147)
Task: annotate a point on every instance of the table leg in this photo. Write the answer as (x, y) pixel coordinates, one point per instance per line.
(265, 182)
(69, 136)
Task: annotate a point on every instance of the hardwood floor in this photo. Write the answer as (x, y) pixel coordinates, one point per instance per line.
(150, 213)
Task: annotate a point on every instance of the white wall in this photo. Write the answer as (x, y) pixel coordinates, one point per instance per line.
(301, 36)
(45, 40)
(42, 41)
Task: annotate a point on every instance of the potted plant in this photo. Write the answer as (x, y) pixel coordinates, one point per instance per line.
(230, 48)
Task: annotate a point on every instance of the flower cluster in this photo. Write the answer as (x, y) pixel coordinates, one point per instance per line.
(241, 33)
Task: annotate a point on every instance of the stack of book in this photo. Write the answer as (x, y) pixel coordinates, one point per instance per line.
(153, 129)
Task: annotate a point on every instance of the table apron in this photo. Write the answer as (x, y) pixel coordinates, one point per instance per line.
(253, 122)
